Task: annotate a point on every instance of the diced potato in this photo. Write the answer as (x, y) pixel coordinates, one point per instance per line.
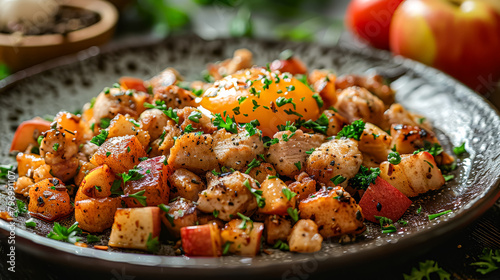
(133, 227)
(202, 240)
(85, 168)
(245, 242)
(97, 184)
(335, 212)
(303, 186)
(49, 203)
(375, 141)
(273, 191)
(42, 172)
(414, 175)
(193, 152)
(182, 213)
(123, 126)
(304, 237)
(277, 228)
(22, 185)
(154, 183)
(124, 153)
(27, 162)
(70, 124)
(186, 184)
(96, 214)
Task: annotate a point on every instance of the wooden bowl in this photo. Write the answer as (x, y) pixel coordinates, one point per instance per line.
(20, 52)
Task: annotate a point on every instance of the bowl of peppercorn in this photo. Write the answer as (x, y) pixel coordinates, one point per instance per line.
(34, 31)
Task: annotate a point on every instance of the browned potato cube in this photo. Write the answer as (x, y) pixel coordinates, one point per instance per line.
(181, 213)
(246, 241)
(96, 184)
(96, 214)
(277, 203)
(277, 228)
(303, 186)
(123, 126)
(304, 237)
(119, 153)
(186, 184)
(85, 168)
(49, 203)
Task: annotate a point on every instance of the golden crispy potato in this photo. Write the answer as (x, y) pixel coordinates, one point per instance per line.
(96, 214)
(97, 184)
(277, 228)
(119, 153)
(304, 237)
(49, 200)
(244, 241)
(122, 126)
(273, 191)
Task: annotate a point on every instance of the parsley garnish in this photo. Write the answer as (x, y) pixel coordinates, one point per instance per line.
(92, 102)
(298, 164)
(319, 100)
(152, 244)
(290, 88)
(139, 196)
(394, 158)
(281, 245)
(433, 216)
(354, 130)
(310, 151)
(294, 213)
(215, 213)
(115, 188)
(21, 208)
(226, 247)
(489, 262)
(261, 202)
(281, 101)
(105, 122)
(320, 125)
(459, 150)
(62, 233)
(100, 139)
(364, 178)
(189, 128)
(288, 193)
(245, 219)
(432, 148)
(92, 238)
(291, 112)
(241, 99)
(252, 164)
(169, 217)
(134, 122)
(419, 210)
(39, 140)
(337, 180)
(30, 223)
(195, 116)
(132, 175)
(229, 124)
(55, 147)
(425, 270)
(160, 105)
(386, 224)
(448, 177)
(255, 105)
(251, 127)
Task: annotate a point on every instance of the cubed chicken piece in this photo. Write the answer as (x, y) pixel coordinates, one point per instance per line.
(261, 172)
(165, 78)
(228, 195)
(49, 200)
(277, 228)
(303, 186)
(134, 227)
(376, 84)
(332, 158)
(174, 96)
(181, 213)
(397, 114)
(335, 212)
(167, 139)
(237, 150)
(375, 142)
(198, 120)
(406, 139)
(153, 121)
(186, 184)
(118, 101)
(356, 103)
(122, 126)
(288, 155)
(414, 175)
(335, 122)
(119, 153)
(244, 238)
(193, 152)
(304, 237)
(154, 183)
(278, 197)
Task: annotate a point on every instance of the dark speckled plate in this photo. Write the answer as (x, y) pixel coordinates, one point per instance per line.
(458, 114)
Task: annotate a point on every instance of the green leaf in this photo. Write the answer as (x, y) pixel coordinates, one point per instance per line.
(319, 100)
(160, 105)
(490, 258)
(139, 196)
(21, 208)
(133, 174)
(195, 116)
(62, 233)
(105, 122)
(4, 71)
(169, 217)
(225, 247)
(30, 223)
(337, 180)
(245, 219)
(228, 124)
(288, 193)
(320, 125)
(459, 150)
(92, 238)
(354, 130)
(425, 270)
(100, 139)
(153, 244)
(281, 245)
(394, 158)
(261, 202)
(253, 163)
(364, 178)
(433, 216)
(294, 213)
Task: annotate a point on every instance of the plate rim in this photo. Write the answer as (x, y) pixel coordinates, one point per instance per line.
(435, 233)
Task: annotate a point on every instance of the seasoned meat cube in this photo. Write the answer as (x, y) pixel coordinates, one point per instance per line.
(374, 83)
(261, 172)
(356, 103)
(396, 114)
(153, 121)
(276, 228)
(237, 150)
(414, 175)
(166, 141)
(118, 101)
(335, 212)
(56, 147)
(332, 158)
(375, 142)
(335, 122)
(303, 186)
(286, 155)
(186, 184)
(165, 78)
(174, 96)
(181, 213)
(197, 119)
(304, 237)
(122, 126)
(407, 138)
(228, 195)
(193, 152)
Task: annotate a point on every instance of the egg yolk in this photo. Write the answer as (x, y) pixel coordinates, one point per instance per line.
(272, 98)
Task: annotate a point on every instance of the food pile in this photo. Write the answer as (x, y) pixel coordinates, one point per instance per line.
(280, 155)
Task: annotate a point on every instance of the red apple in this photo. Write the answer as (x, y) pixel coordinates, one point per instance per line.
(25, 132)
(203, 240)
(132, 83)
(382, 199)
(371, 19)
(462, 38)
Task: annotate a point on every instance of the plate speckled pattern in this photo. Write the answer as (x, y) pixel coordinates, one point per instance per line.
(457, 114)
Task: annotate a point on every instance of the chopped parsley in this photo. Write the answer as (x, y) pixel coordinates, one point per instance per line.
(282, 101)
(251, 127)
(160, 105)
(432, 148)
(246, 220)
(100, 139)
(320, 125)
(294, 213)
(236, 110)
(298, 164)
(241, 99)
(425, 270)
(433, 216)
(386, 224)
(364, 178)
(134, 122)
(229, 124)
(291, 112)
(310, 151)
(105, 123)
(153, 244)
(255, 105)
(92, 102)
(115, 188)
(489, 260)
(261, 202)
(169, 217)
(337, 180)
(419, 210)
(448, 177)
(354, 130)
(215, 213)
(394, 158)
(459, 150)
(30, 223)
(62, 233)
(92, 238)
(319, 100)
(139, 196)
(55, 147)
(21, 208)
(225, 247)
(281, 245)
(39, 140)
(290, 88)
(251, 165)
(133, 174)
(195, 116)
(188, 129)
(288, 193)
